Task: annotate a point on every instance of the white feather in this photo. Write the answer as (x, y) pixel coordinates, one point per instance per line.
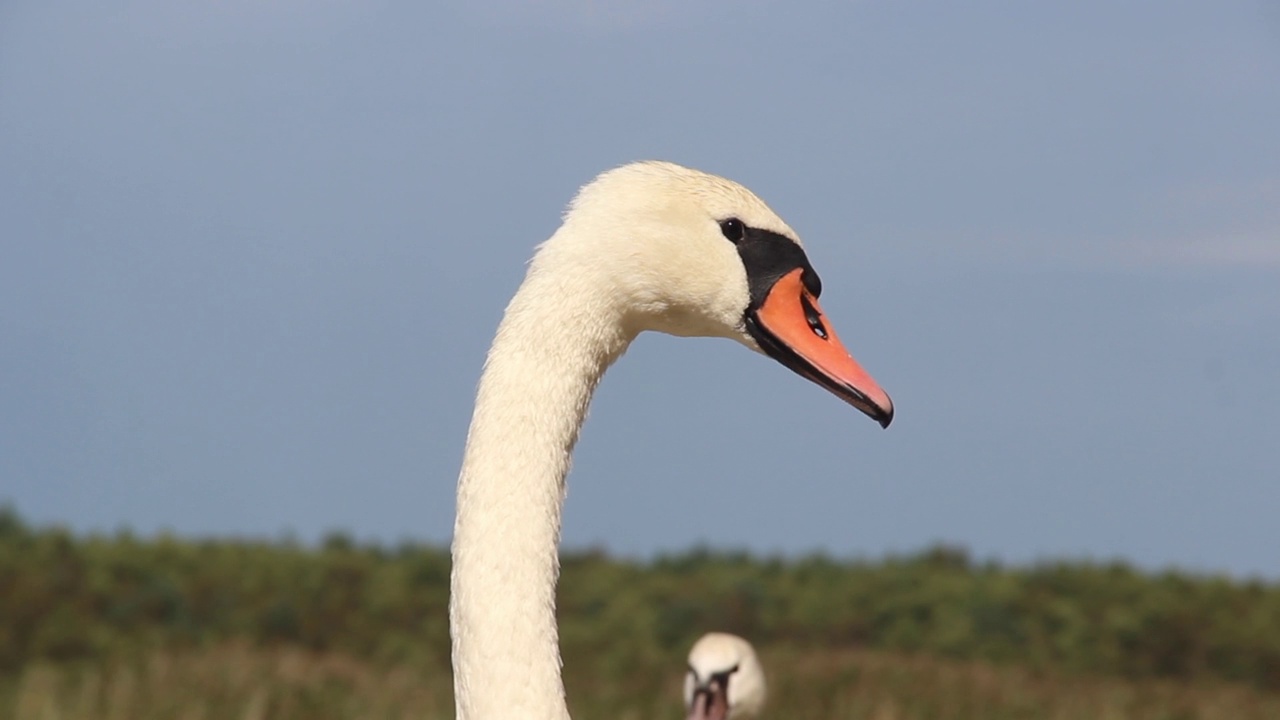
(640, 249)
(720, 652)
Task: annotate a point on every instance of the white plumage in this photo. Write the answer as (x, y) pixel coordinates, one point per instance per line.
(725, 680)
(648, 246)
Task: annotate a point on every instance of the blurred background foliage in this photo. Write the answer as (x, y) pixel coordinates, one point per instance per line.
(81, 615)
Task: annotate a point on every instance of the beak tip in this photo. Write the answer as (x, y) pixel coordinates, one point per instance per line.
(880, 409)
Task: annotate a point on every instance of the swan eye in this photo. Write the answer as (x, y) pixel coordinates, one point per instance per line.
(732, 229)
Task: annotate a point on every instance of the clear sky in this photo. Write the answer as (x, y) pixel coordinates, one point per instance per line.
(252, 255)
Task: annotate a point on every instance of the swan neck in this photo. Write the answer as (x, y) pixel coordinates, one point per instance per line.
(557, 338)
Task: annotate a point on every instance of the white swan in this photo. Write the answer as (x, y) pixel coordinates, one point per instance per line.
(647, 246)
(724, 680)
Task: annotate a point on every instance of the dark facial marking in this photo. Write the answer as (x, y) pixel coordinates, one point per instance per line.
(711, 698)
(768, 256)
(722, 677)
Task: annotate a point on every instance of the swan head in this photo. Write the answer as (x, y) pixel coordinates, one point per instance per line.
(724, 680)
(693, 254)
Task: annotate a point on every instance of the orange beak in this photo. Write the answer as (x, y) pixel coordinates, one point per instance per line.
(710, 702)
(790, 327)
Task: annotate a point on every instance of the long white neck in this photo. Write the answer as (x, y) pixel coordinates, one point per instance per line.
(559, 334)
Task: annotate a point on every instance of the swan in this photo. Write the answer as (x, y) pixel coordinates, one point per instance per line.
(724, 680)
(646, 246)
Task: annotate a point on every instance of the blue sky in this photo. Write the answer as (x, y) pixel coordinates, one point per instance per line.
(253, 254)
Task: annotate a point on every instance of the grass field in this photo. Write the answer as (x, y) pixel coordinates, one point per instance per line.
(123, 628)
(240, 682)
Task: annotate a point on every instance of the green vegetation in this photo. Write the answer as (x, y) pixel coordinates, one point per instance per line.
(120, 627)
(240, 682)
